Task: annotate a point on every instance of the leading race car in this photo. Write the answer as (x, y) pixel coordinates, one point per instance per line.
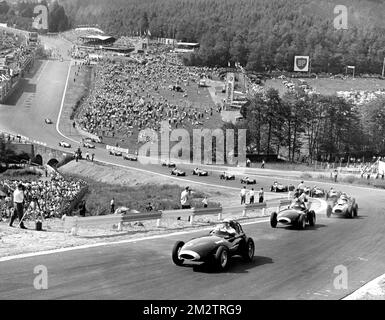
(200, 172)
(131, 157)
(48, 121)
(279, 187)
(227, 176)
(216, 248)
(345, 206)
(295, 215)
(64, 144)
(248, 180)
(317, 192)
(177, 172)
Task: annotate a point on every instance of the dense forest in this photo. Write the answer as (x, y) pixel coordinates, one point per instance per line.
(19, 14)
(260, 34)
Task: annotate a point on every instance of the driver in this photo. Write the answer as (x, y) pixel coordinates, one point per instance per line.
(301, 200)
(225, 226)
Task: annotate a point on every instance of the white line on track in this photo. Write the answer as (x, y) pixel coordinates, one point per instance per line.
(42, 71)
(62, 105)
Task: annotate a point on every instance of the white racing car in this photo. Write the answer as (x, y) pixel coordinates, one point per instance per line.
(345, 206)
(64, 144)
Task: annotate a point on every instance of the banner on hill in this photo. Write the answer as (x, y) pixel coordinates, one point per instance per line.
(301, 63)
(381, 167)
(230, 81)
(117, 149)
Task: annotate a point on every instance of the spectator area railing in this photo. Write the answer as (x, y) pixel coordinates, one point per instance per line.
(73, 223)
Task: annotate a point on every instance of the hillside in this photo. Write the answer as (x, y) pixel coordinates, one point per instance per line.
(261, 34)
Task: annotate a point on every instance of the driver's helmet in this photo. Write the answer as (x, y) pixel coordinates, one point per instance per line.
(307, 191)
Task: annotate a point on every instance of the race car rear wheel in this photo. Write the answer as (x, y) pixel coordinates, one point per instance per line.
(273, 220)
(356, 210)
(311, 218)
(248, 250)
(301, 222)
(222, 258)
(175, 251)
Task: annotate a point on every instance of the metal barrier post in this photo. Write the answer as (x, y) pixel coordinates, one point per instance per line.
(158, 223)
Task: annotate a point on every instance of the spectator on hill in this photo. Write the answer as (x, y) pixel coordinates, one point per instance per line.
(243, 195)
(251, 195)
(185, 198)
(112, 205)
(261, 195)
(18, 200)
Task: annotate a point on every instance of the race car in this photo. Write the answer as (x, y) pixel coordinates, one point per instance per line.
(115, 153)
(248, 180)
(333, 195)
(130, 157)
(317, 192)
(279, 187)
(199, 172)
(48, 121)
(227, 176)
(345, 206)
(177, 172)
(64, 144)
(88, 145)
(168, 164)
(294, 215)
(215, 249)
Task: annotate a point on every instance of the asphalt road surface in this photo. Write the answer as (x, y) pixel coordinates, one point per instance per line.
(288, 264)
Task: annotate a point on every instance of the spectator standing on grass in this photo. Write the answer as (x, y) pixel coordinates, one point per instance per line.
(205, 202)
(112, 205)
(82, 208)
(251, 195)
(184, 198)
(243, 195)
(92, 157)
(261, 195)
(263, 164)
(335, 175)
(18, 200)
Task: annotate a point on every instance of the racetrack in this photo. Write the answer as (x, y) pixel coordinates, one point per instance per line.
(288, 264)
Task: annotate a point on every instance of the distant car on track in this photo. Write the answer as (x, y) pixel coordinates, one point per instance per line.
(177, 172)
(48, 121)
(115, 153)
(200, 172)
(294, 215)
(216, 248)
(333, 195)
(88, 145)
(131, 157)
(64, 144)
(227, 176)
(279, 187)
(168, 164)
(317, 192)
(345, 206)
(248, 180)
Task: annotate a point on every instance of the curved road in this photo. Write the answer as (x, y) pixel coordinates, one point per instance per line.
(289, 264)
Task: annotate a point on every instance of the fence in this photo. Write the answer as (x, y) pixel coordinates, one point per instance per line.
(73, 223)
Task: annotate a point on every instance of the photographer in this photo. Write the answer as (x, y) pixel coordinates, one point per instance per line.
(18, 200)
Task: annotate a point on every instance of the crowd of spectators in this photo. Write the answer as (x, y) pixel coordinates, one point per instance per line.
(129, 95)
(51, 195)
(361, 97)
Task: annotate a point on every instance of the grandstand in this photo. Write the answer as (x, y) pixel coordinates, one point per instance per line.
(97, 40)
(186, 47)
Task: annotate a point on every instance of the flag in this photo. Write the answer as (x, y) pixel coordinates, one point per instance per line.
(149, 33)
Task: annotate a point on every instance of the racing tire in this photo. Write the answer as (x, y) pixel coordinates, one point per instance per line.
(273, 220)
(222, 258)
(356, 210)
(311, 218)
(248, 250)
(301, 222)
(175, 250)
(329, 211)
(351, 212)
(271, 189)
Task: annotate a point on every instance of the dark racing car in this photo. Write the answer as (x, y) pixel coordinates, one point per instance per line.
(248, 180)
(216, 248)
(279, 187)
(227, 176)
(130, 157)
(200, 172)
(177, 172)
(168, 164)
(345, 206)
(294, 215)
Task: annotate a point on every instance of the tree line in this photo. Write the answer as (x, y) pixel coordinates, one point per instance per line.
(260, 34)
(312, 127)
(20, 15)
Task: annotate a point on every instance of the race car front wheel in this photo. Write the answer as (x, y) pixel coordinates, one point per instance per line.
(273, 220)
(175, 251)
(222, 258)
(301, 222)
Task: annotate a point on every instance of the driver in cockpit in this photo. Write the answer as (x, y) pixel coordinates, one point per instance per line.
(300, 200)
(225, 226)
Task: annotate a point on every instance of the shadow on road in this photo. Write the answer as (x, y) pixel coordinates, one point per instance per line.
(308, 228)
(23, 86)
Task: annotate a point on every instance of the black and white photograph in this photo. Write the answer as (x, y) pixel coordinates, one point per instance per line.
(214, 152)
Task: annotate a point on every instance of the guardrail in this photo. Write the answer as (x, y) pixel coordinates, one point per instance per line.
(74, 222)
